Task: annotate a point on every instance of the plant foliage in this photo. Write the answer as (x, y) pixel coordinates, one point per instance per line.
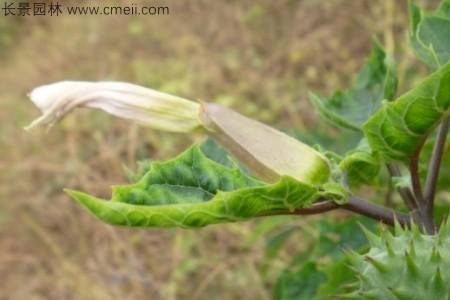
(430, 34)
(398, 128)
(193, 191)
(271, 173)
(375, 82)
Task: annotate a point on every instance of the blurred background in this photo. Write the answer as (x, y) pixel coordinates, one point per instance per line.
(259, 57)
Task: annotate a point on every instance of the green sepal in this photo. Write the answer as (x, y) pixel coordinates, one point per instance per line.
(267, 152)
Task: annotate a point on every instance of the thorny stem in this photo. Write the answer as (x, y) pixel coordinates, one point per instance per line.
(434, 167)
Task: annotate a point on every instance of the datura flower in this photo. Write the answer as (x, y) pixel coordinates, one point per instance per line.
(269, 153)
(142, 105)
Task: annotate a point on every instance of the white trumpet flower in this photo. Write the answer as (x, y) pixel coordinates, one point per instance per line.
(139, 104)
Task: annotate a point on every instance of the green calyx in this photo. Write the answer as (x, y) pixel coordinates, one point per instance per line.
(267, 152)
(404, 265)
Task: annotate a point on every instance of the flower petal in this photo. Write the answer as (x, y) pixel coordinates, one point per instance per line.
(142, 105)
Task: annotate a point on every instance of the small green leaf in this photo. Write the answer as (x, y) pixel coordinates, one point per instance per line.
(193, 191)
(376, 81)
(335, 192)
(399, 127)
(361, 165)
(401, 181)
(430, 34)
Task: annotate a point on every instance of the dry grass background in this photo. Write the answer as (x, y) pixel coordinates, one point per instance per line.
(258, 57)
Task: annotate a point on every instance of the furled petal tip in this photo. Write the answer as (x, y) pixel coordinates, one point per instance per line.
(142, 105)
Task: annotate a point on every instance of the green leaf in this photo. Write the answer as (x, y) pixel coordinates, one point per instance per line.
(143, 167)
(444, 9)
(336, 235)
(209, 148)
(267, 228)
(193, 191)
(277, 240)
(430, 34)
(399, 127)
(216, 153)
(335, 192)
(361, 165)
(338, 277)
(376, 81)
(299, 285)
(332, 235)
(338, 141)
(401, 181)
